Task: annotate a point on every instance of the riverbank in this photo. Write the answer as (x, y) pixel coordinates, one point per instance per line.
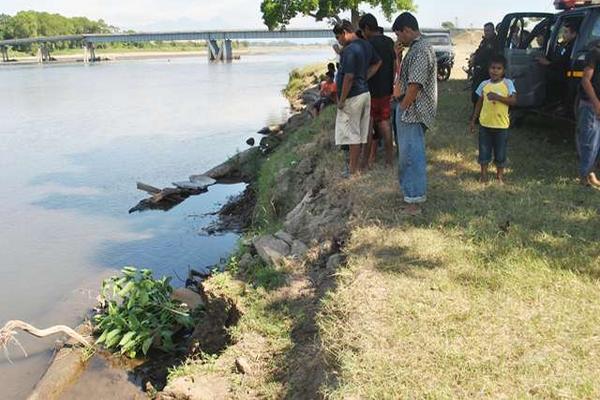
(334, 292)
(240, 168)
(492, 292)
(70, 176)
(145, 54)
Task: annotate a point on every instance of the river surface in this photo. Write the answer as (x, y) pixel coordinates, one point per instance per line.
(74, 140)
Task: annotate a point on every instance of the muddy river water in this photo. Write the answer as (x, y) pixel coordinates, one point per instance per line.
(74, 140)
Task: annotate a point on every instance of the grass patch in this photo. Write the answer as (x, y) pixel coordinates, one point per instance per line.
(492, 293)
(201, 363)
(302, 78)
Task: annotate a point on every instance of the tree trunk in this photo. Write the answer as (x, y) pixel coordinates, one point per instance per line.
(355, 17)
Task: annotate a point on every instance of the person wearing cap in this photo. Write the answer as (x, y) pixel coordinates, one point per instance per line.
(359, 62)
(416, 110)
(381, 87)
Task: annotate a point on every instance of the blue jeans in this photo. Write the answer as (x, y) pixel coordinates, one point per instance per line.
(412, 163)
(394, 106)
(588, 138)
(493, 141)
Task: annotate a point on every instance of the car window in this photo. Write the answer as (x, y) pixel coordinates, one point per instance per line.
(439, 40)
(595, 34)
(519, 33)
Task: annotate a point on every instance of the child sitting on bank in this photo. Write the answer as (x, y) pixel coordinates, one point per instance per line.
(496, 95)
(328, 92)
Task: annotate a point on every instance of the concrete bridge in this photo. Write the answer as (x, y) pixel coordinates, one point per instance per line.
(218, 42)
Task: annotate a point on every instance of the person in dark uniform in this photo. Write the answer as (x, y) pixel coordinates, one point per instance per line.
(481, 58)
(558, 63)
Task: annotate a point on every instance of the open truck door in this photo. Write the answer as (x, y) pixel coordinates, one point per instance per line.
(524, 37)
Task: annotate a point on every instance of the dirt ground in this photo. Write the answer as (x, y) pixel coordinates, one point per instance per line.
(465, 43)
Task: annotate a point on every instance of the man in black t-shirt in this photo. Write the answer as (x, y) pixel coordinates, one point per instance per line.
(359, 62)
(588, 126)
(380, 87)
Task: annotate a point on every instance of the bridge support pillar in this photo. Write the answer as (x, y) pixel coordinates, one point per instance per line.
(215, 52)
(89, 53)
(227, 51)
(219, 50)
(43, 54)
(4, 51)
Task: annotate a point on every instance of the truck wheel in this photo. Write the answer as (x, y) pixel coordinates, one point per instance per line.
(517, 118)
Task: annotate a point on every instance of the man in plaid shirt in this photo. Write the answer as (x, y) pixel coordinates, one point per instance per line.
(416, 110)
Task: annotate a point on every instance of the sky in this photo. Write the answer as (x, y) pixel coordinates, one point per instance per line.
(154, 15)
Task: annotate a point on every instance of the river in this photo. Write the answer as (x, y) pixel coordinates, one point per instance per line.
(74, 141)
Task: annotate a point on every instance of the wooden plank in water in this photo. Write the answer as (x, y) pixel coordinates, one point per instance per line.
(203, 180)
(147, 188)
(187, 185)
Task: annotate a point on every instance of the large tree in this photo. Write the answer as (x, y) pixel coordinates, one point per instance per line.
(278, 13)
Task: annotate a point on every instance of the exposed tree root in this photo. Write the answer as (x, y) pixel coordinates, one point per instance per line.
(9, 331)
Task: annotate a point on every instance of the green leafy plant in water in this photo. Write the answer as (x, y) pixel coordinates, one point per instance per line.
(139, 313)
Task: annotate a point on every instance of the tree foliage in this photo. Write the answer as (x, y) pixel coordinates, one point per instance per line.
(448, 25)
(279, 13)
(27, 24)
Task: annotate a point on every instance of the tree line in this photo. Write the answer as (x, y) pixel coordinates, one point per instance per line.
(27, 24)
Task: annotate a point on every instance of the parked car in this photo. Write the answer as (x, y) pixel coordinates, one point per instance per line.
(444, 52)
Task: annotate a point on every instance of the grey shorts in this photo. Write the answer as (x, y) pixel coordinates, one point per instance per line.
(352, 122)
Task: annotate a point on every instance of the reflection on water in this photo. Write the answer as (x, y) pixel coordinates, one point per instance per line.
(73, 142)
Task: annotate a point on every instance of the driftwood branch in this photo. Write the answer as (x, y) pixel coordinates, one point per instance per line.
(9, 331)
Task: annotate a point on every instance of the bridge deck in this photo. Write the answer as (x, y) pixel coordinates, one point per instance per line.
(185, 36)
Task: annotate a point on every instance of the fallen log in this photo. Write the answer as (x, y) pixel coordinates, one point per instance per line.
(9, 331)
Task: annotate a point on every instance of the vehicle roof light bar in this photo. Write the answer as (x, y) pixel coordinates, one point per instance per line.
(568, 4)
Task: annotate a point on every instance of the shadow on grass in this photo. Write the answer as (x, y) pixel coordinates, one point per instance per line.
(395, 259)
(542, 214)
(303, 367)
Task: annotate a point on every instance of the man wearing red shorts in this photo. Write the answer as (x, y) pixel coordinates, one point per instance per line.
(381, 87)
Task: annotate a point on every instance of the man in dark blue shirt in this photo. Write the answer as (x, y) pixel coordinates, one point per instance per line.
(359, 62)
